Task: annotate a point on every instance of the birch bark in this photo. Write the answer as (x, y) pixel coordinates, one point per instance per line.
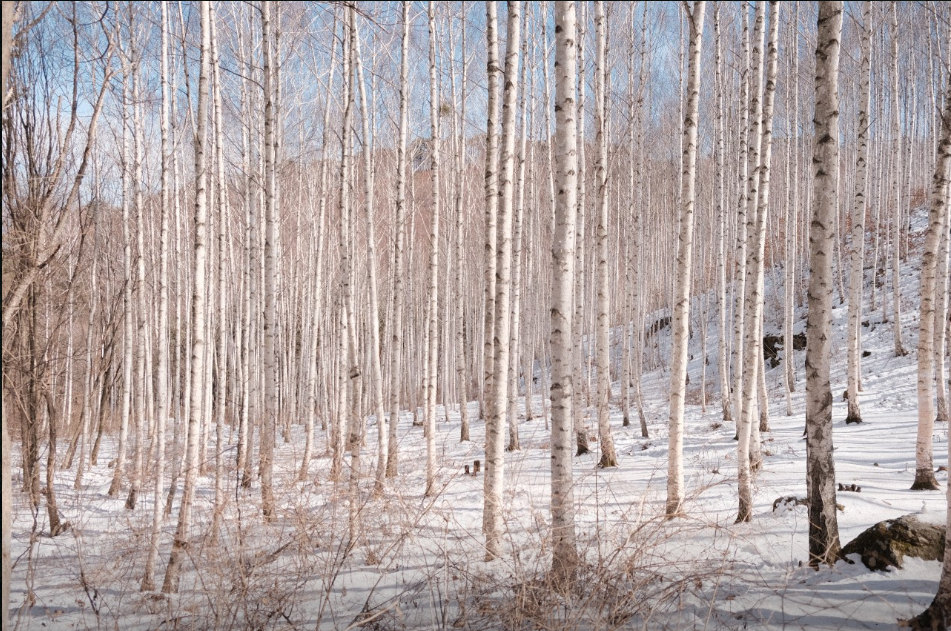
(820, 464)
(681, 311)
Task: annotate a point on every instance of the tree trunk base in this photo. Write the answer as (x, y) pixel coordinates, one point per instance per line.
(607, 462)
(925, 481)
(934, 618)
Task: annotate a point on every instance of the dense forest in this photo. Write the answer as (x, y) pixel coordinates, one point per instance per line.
(473, 315)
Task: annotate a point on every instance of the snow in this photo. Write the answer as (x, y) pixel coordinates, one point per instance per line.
(419, 562)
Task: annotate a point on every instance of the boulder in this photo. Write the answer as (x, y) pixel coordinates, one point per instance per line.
(799, 342)
(771, 347)
(888, 542)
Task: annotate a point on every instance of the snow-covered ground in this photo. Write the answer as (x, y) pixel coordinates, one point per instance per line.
(419, 562)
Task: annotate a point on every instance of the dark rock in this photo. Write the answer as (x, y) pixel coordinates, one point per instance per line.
(771, 347)
(789, 500)
(866, 353)
(888, 542)
(799, 342)
(865, 323)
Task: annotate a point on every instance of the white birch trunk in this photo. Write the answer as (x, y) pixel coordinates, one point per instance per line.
(516, 310)
(723, 362)
(128, 333)
(856, 279)
(681, 310)
(792, 224)
(221, 199)
(161, 393)
(896, 189)
(564, 546)
(941, 322)
(820, 464)
(433, 323)
(313, 387)
(937, 222)
(495, 420)
(396, 350)
(376, 369)
(142, 421)
(744, 139)
(581, 431)
(608, 454)
(460, 160)
(269, 417)
(491, 199)
(180, 544)
(752, 306)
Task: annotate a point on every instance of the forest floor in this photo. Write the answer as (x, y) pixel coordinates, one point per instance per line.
(419, 561)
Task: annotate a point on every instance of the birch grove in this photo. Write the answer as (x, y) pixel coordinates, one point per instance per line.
(296, 294)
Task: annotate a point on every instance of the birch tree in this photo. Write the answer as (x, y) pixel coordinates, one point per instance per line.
(8, 13)
(564, 546)
(792, 222)
(896, 188)
(856, 279)
(433, 323)
(820, 464)
(460, 160)
(269, 419)
(161, 393)
(937, 614)
(199, 291)
(681, 309)
(495, 421)
(756, 226)
(937, 222)
(400, 227)
(608, 454)
(744, 139)
(722, 359)
(376, 368)
(491, 197)
(128, 331)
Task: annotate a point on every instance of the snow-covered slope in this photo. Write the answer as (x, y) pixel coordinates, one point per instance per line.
(419, 561)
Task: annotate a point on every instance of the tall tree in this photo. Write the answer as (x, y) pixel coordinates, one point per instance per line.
(581, 431)
(564, 546)
(937, 222)
(681, 309)
(199, 297)
(491, 198)
(896, 188)
(376, 368)
(269, 418)
(792, 221)
(757, 210)
(161, 392)
(938, 613)
(856, 278)
(460, 210)
(744, 139)
(752, 296)
(723, 363)
(608, 453)
(433, 310)
(396, 349)
(495, 421)
(820, 464)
